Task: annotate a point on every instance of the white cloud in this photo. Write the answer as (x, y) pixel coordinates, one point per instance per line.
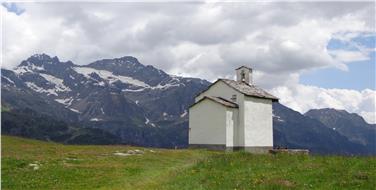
(272, 37)
(349, 56)
(207, 40)
(303, 98)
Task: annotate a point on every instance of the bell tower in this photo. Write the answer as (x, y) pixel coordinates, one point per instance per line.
(244, 74)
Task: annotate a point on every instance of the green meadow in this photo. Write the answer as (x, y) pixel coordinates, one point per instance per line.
(32, 164)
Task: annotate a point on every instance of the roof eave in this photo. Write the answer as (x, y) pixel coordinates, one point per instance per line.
(244, 67)
(206, 97)
(270, 98)
(223, 80)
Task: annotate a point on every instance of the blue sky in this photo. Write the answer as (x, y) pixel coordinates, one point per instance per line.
(12, 7)
(360, 74)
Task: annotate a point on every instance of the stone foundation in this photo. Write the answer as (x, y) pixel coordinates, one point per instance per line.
(290, 151)
(254, 150)
(209, 146)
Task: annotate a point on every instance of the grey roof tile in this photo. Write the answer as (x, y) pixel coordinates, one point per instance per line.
(250, 90)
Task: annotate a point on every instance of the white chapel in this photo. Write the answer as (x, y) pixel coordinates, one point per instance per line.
(232, 115)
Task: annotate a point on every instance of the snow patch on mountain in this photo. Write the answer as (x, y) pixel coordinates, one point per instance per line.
(174, 82)
(40, 89)
(74, 110)
(133, 90)
(67, 101)
(28, 69)
(147, 120)
(101, 83)
(9, 80)
(184, 113)
(59, 85)
(109, 76)
(168, 85)
(95, 119)
(278, 118)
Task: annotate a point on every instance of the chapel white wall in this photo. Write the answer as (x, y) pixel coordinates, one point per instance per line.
(231, 127)
(221, 89)
(258, 123)
(207, 123)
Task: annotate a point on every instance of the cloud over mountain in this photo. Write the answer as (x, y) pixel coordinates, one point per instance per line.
(302, 98)
(206, 40)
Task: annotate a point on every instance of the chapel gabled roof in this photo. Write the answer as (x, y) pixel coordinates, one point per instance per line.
(244, 67)
(219, 100)
(246, 89)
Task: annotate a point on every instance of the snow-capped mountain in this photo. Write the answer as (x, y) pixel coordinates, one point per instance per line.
(120, 95)
(132, 103)
(107, 89)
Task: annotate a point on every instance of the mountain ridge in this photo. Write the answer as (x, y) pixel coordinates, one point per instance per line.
(142, 105)
(123, 105)
(350, 125)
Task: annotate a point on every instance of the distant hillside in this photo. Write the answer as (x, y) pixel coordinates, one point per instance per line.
(350, 125)
(28, 123)
(31, 164)
(294, 130)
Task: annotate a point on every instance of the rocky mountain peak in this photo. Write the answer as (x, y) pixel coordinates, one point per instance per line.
(41, 58)
(334, 115)
(130, 66)
(121, 61)
(350, 125)
(129, 59)
(40, 61)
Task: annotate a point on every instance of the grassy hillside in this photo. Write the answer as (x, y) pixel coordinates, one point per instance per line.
(31, 164)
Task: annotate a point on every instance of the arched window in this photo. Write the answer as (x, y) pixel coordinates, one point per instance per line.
(243, 76)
